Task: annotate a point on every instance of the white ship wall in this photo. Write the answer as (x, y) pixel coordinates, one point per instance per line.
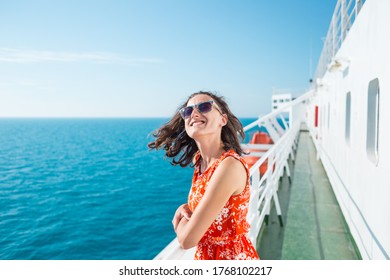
(362, 186)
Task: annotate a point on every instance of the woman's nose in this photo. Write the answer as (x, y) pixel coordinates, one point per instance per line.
(195, 112)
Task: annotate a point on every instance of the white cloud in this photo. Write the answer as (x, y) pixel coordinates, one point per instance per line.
(31, 56)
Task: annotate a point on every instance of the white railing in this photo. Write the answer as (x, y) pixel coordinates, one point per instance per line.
(263, 187)
(343, 17)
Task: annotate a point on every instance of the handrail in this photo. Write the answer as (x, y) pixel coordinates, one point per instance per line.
(280, 110)
(264, 188)
(344, 15)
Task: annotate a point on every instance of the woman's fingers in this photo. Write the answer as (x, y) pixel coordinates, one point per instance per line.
(178, 216)
(183, 211)
(186, 212)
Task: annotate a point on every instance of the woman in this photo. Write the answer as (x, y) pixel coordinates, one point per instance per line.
(205, 132)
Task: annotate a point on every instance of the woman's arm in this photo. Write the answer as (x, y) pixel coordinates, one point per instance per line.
(228, 179)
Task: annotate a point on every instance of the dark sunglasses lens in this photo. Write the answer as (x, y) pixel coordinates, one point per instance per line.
(205, 107)
(187, 111)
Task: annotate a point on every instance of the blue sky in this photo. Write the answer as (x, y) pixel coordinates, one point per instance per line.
(142, 58)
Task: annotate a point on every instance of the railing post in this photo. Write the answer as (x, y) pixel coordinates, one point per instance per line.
(359, 4)
(344, 19)
(253, 210)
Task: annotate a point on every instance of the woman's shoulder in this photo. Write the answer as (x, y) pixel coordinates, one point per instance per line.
(232, 160)
(234, 171)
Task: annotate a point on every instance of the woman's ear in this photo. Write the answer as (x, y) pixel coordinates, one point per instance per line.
(224, 119)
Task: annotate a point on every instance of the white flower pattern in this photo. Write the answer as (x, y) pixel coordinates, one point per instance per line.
(226, 238)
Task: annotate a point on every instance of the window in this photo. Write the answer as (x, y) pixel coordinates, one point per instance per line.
(373, 121)
(348, 118)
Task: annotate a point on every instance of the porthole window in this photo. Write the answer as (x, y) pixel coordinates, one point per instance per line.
(372, 138)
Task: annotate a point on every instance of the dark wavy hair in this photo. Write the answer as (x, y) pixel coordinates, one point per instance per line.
(173, 138)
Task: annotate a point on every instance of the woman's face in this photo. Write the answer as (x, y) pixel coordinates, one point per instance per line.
(199, 124)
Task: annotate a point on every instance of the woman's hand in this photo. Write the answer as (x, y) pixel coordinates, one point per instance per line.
(182, 212)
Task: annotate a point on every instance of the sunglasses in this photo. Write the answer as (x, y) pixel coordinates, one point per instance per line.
(203, 108)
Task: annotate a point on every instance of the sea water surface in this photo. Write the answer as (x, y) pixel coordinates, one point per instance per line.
(86, 189)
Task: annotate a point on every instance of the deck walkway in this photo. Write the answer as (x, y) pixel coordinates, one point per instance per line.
(314, 226)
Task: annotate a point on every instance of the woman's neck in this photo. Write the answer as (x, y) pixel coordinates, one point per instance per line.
(210, 150)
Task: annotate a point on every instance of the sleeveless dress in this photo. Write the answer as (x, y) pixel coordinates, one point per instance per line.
(226, 238)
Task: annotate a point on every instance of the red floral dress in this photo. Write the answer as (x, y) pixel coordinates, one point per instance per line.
(226, 238)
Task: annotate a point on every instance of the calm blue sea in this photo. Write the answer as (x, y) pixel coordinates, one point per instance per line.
(86, 189)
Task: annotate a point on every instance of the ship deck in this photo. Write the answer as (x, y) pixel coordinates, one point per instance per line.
(314, 226)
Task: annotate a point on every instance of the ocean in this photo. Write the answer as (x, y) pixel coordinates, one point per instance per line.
(86, 189)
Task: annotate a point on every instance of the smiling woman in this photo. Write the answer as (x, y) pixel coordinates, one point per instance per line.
(214, 218)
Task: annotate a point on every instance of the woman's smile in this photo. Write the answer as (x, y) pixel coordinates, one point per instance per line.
(197, 122)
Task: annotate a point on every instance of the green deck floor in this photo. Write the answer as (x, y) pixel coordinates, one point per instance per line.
(314, 226)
